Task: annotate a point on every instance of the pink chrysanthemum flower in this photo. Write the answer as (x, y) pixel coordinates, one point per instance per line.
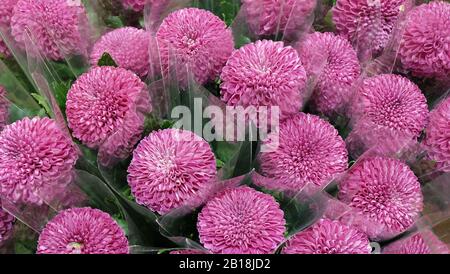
(309, 150)
(388, 105)
(105, 110)
(171, 168)
(332, 60)
(6, 10)
(437, 140)
(56, 27)
(129, 47)
(241, 221)
(420, 243)
(425, 45)
(368, 23)
(270, 17)
(264, 73)
(6, 225)
(328, 237)
(195, 40)
(4, 108)
(36, 156)
(82, 231)
(136, 5)
(386, 192)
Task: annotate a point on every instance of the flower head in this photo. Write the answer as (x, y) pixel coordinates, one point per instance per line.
(420, 243)
(4, 108)
(82, 231)
(438, 135)
(129, 48)
(310, 150)
(36, 156)
(264, 73)
(270, 17)
(388, 105)
(367, 22)
(6, 10)
(425, 44)
(105, 109)
(334, 62)
(6, 225)
(171, 168)
(241, 221)
(329, 237)
(386, 192)
(196, 40)
(56, 27)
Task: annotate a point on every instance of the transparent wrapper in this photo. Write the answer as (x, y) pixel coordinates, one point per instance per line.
(83, 190)
(375, 32)
(332, 68)
(16, 99)
(285, 20)
(331, 209)
(199, 51)
(408, 157)
(430, 233)
(156, 10)
(300, 211)
(376, 125)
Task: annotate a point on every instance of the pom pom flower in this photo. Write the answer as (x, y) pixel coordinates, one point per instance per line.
(328, 237)
(35, 157)
(421, 243)
(270, 17)
(171, 168)
(310, 150)
(368, 23)
(264, 73)
(196, 40)
(384, 191)
(425, 45)
(438, 136)
(105, 109)
(241, 221)
(388, 105)
(56, 27)
(129, 47)
(6, 225)
(4, 108)
(333, 61)
(82, 231)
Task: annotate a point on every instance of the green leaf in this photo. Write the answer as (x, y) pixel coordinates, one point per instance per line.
(219, 163)
(114, 22)
(60, 90)
(106, 60)
(42, 102)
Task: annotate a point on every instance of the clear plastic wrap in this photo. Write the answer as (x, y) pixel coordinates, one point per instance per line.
(286, 20)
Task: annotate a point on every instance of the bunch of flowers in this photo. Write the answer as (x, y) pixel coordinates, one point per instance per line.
(116, 144)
